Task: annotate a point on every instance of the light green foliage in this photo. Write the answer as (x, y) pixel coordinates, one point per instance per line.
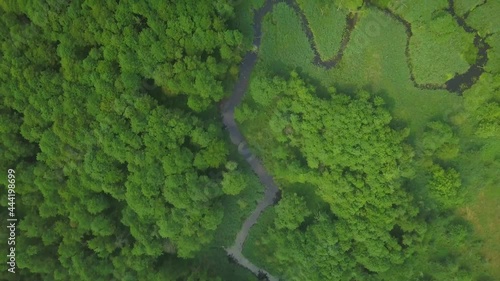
(445, 187)
(234, 182)
(265, 89)
(291, 211)
(482, 103)
(327, 23)
(231, 165)
(439, 141)
(440, 49)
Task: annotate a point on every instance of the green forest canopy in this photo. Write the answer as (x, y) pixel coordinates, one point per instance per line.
(119, 176)
(109, 115)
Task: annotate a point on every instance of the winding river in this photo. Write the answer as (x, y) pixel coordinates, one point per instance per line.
(271, 194)
(271, 189)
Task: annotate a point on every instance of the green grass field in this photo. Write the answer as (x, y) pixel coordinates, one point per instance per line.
(493, 65)
(441, 50)
(379, 63)
(327, 24)
(463, 6)
(485, 18)
(439, 47)
(284, 45)
(373, 62)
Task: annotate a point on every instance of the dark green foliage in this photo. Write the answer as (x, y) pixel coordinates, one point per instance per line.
(108, 113)
(291, 212)
(117, 182)
(15, 147)
(484, 18)
(446, 254)
(445, 187)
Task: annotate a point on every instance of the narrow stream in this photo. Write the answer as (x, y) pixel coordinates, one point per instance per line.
(351, 21)
(271, 189)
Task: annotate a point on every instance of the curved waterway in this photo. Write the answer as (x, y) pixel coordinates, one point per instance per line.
(228, 107)
(466, 80)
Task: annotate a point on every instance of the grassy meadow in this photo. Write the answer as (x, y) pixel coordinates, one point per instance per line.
(327, 24)
(441, 50)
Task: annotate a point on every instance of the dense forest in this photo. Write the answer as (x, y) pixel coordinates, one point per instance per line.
(368, 215)
(107, 116)
(110, 117)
